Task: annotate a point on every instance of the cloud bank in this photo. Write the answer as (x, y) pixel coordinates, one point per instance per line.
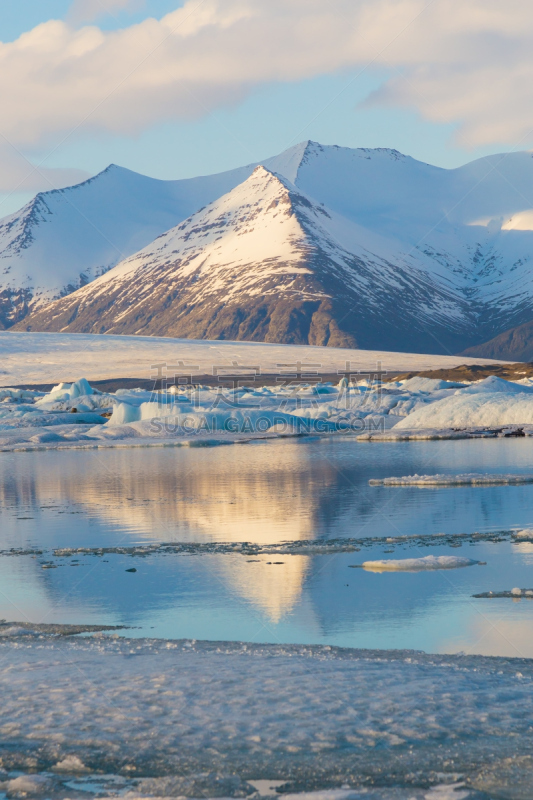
(468, 62)
(19, 174)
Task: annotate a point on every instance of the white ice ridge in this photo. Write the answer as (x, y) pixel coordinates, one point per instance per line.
(418, 564)
(201, 718)
(465, 479)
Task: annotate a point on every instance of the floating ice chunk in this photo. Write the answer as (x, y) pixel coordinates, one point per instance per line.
(419, 384)
(17, 630)
(19, 395)
(448, 791)
(81, 388)
(526, 533)
(70, 764)
(465, 479)
(25, 785)
(513, 593)
(123, 414)
(68, 391)
(418, 564)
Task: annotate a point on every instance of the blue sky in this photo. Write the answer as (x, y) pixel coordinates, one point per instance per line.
(251, 123)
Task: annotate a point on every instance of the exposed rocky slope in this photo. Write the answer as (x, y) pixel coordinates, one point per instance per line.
(515, 344)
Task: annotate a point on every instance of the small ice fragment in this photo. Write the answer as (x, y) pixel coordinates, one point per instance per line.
(517, 592)
(70, 764)
(26, 784)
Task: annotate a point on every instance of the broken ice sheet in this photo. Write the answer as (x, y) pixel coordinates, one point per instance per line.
(140, 714)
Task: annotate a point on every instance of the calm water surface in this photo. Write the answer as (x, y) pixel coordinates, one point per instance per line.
(267, 493)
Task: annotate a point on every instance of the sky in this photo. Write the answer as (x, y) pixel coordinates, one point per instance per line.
(177, 89)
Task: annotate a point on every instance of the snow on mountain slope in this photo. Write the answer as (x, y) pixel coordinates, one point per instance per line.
(264, 263)
(475, 221)
(65, 238)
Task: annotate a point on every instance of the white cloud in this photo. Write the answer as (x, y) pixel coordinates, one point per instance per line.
(463, 61)
(89, 10)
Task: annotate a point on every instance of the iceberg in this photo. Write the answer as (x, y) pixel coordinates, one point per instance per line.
(487, 403)
(414, 408)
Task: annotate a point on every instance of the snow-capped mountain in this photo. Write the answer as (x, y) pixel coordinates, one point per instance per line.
(322, 245)
(65, 238)
(266, 263)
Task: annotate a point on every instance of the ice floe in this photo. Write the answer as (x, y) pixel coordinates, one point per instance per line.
(302, 547)
(466, 479)
(514, 594)
(418, 564)
(526, 533)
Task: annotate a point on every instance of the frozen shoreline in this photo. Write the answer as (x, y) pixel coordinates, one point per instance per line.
(202, 718)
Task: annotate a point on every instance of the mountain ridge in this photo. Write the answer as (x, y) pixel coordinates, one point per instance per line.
(459, 241)
(201, 279)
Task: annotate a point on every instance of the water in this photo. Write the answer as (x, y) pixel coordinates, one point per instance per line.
(268, 493)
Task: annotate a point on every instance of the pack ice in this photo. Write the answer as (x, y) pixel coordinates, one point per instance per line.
(76, 414)
(192, 719)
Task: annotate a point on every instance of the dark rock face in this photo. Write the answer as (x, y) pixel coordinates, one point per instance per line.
(515, 344)
(14, 306)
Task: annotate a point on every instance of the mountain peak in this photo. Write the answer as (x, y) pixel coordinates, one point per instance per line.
(266, 175)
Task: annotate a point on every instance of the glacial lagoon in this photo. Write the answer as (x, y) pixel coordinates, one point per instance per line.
(268, 493)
